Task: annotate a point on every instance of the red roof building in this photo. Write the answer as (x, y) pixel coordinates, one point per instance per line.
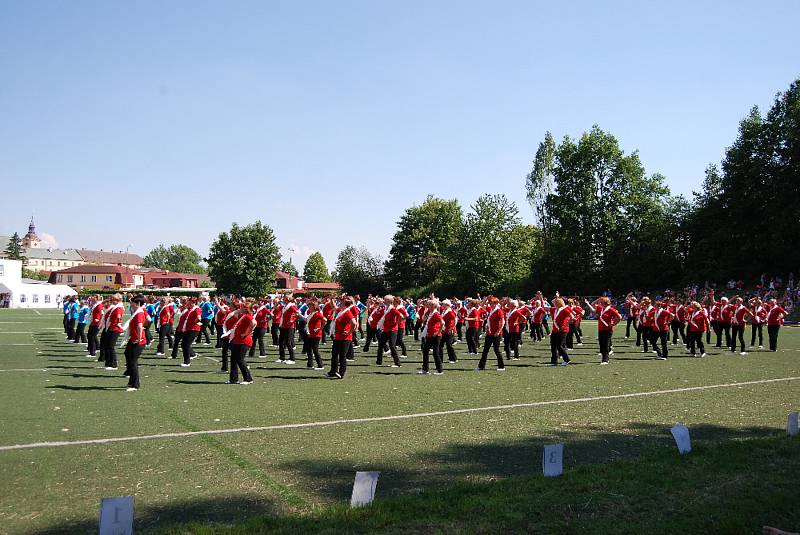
(97, 277)
(172, 279)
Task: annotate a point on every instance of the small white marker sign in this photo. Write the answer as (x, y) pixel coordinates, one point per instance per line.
(553, 460)
(116, 516)
(791, 424)
(364, 488)
(681, 435)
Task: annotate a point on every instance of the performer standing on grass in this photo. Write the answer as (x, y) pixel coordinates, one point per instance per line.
(473, 320)
(494, 333)
(262, 321)
(758, 314)
(206, 318)
(83, 319)
(775, 317)
(389, 327)
(191, 328)
(219, 319)
(516, 319)
(137, 339)
(663, 320)
(450, 318)
(94, 326)
(164, 323)
(275, 316)
(400, 306)
(315, 323)
(114, 328)
(633, 314)
(561, 315)
(289, 314)
(607, 318)
(646, 318)
(725, 315)
(698, 323)
(738, 323)
(228, 325)
(432, 336)
(241, 340)
(344, 325)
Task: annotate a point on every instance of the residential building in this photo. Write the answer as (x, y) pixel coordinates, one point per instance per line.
(172, 279)
(98, 277)
(111, 258)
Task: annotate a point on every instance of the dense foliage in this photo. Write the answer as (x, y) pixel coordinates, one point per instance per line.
(244, 260)
(315, 269)
(178, 257)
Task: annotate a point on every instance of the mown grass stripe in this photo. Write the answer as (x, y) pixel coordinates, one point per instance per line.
(371, 419)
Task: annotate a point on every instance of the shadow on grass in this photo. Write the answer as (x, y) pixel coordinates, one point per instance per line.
(79, 388)
(224, 510)
(499, 459)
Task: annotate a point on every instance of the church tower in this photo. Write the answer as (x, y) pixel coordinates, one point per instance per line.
(31, 240)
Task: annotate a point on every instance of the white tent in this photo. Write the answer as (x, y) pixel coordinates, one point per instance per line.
(18, 293)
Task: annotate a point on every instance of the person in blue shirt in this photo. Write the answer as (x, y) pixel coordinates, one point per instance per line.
(65, 309)
(206, 318)
(72, 313)
(83, 317)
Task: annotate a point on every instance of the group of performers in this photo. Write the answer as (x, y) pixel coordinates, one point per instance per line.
(241, 325)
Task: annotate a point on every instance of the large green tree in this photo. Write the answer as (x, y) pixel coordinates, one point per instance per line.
(424, 234)
(14, 249)
(315, 269)
(603, 220)
(744, 221)
(360, 272)
(176, 257)
(244, 260)
(493, 250)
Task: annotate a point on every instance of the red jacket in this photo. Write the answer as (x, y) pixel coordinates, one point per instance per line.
(136, 334)
(560, 318)
(449, 319)
(474, 318)
(775, 315)
(391, 319)
(663, 318)
(434, 325)
(262, 317)
(243, 331)
(193, 319)
(607, 317)
(289, 316)
(515, 319)
(97, 315)
(115, 320)
(497, 320)
(316, 321)
(698, 320)
(343, 325)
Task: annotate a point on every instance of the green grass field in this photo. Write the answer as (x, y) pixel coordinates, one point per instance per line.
(435, 470)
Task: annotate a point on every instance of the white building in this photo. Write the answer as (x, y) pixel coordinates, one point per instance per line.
(16, 292)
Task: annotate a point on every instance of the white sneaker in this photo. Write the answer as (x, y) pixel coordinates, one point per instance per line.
(661, 358)
(423, 372)
(395, 365)
(501, 369)
(603, 363)
(403, 356)
(703, 355)
(319, 368)
(184, 365)
(262, 356)
(131, 389)
(289, 362)
(438, 373)
(111, 368)
(760, 347)
(278, 360)
(159, 354)
(743, 353)
(580, 344)
(246, 383)
(309, 367)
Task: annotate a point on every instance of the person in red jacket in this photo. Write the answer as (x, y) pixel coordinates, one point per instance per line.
(758, 315)
(678, 324)
(314, 325)
(450, 319)
(698, 323)
(329, 311)
(646, 319)
(275, 317)
(724, 320)
(113, 326)
(191, 326)
(262, 316)
(241, 340)
(219, 320)
(662, 322)
(574, 324)
(607, 318)
(344, 323)
(288, 323)
(164, 321)
(94, 325)
(775, 317)
(537, 317)
(136, 342)
(401, 308)
(633, 315)
(739, 319)
(495, 322)
(473, 326)
(374, 318)
(228, 323)
(516, 319)
(389, 324)
(561, 315)
(432, 334)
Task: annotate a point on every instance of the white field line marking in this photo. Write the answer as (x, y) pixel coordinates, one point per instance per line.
(212, 358)
(5, 345)
(384, 418)
(37, 312)
(26, 370)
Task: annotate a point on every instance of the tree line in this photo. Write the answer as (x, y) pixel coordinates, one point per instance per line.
(601, 222)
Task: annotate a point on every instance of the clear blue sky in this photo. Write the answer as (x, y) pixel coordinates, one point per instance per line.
(327, 119)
